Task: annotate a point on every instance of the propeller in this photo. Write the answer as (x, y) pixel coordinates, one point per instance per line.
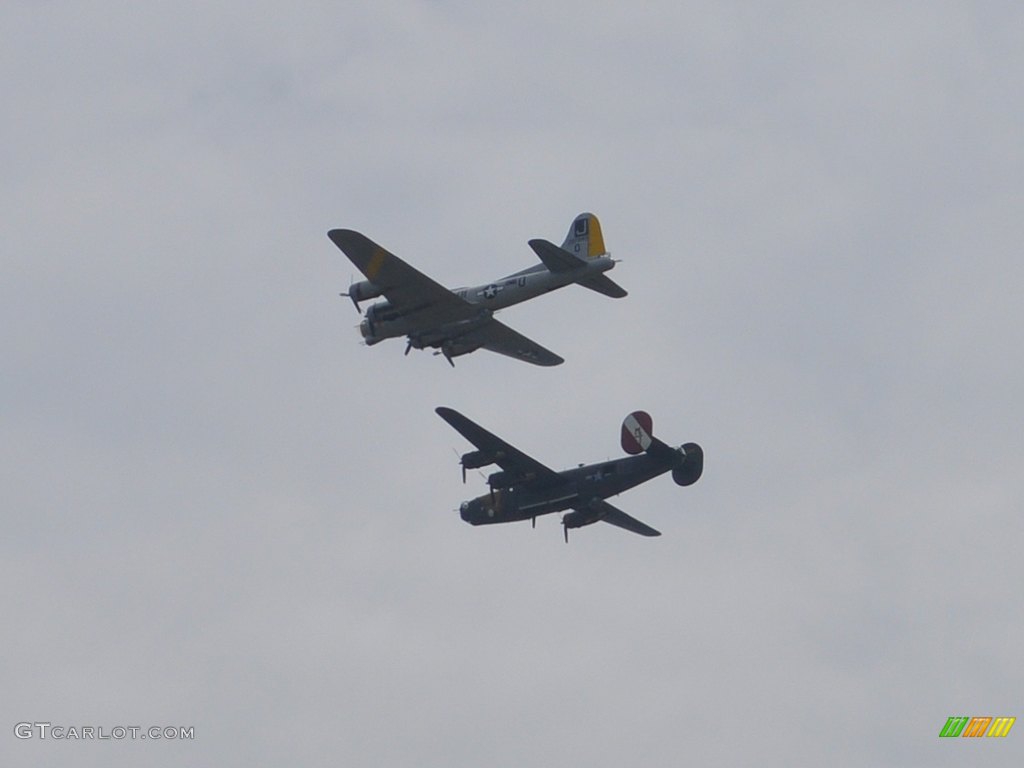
(576, 519)
(364, 290)
(462, 463)
(355, 301)
(352, 294)
(447, 355)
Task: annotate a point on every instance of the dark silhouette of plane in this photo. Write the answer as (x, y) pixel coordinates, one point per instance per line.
(525, 488)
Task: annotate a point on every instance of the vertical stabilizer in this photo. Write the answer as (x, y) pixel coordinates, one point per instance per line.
(637, 432)
(584, 238)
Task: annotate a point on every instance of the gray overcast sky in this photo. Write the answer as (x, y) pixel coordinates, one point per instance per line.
(221, 511)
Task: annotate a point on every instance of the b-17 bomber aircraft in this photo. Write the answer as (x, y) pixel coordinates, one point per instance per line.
(457, 322)
(525, 488)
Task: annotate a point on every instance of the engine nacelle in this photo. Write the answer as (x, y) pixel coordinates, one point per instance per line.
(509, 479)
(457, 348)
(580, 517)
(501, 480)
(690, 470)
(381, 312)
(364, 290)
(476, 459)
(377, 315)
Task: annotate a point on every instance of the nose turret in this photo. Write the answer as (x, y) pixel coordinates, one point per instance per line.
(368, 332)
(477, 511)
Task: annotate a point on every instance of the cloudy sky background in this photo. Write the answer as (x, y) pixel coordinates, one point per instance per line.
(220, 511)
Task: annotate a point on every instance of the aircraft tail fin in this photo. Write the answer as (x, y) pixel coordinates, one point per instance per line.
(560, 260)
(637, 433)
(687, 461)
(638, 436)
(584, 239)
(583, 242)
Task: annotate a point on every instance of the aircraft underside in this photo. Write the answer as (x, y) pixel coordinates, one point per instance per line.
(597, 481)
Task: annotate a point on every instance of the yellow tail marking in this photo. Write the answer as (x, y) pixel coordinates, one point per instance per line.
(596, 240)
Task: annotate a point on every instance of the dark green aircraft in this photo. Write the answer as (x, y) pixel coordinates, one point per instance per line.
(525, 488)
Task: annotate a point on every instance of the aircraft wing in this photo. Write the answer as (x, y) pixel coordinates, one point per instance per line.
(504, 455)
(498, 337)
(617, 517)
(406, 288)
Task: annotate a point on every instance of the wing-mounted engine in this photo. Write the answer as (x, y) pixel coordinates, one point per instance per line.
(451, 340)
(377, 315)
(474, 460)
(581, 517)
(362, 291)
(598, 509)
(452, 348)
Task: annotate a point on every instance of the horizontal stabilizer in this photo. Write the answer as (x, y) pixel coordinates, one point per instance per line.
(560, 260)
(556, 259)
(604, 284)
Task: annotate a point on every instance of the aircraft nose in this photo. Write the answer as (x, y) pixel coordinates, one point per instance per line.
(464, 511)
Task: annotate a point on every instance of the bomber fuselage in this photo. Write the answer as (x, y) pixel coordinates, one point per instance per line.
(525, 500)
(383, 322)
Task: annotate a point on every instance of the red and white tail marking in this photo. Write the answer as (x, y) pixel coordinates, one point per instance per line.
(637, 429)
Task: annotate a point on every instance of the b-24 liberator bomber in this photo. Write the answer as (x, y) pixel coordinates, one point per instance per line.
(457, 322)
(524, 488)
